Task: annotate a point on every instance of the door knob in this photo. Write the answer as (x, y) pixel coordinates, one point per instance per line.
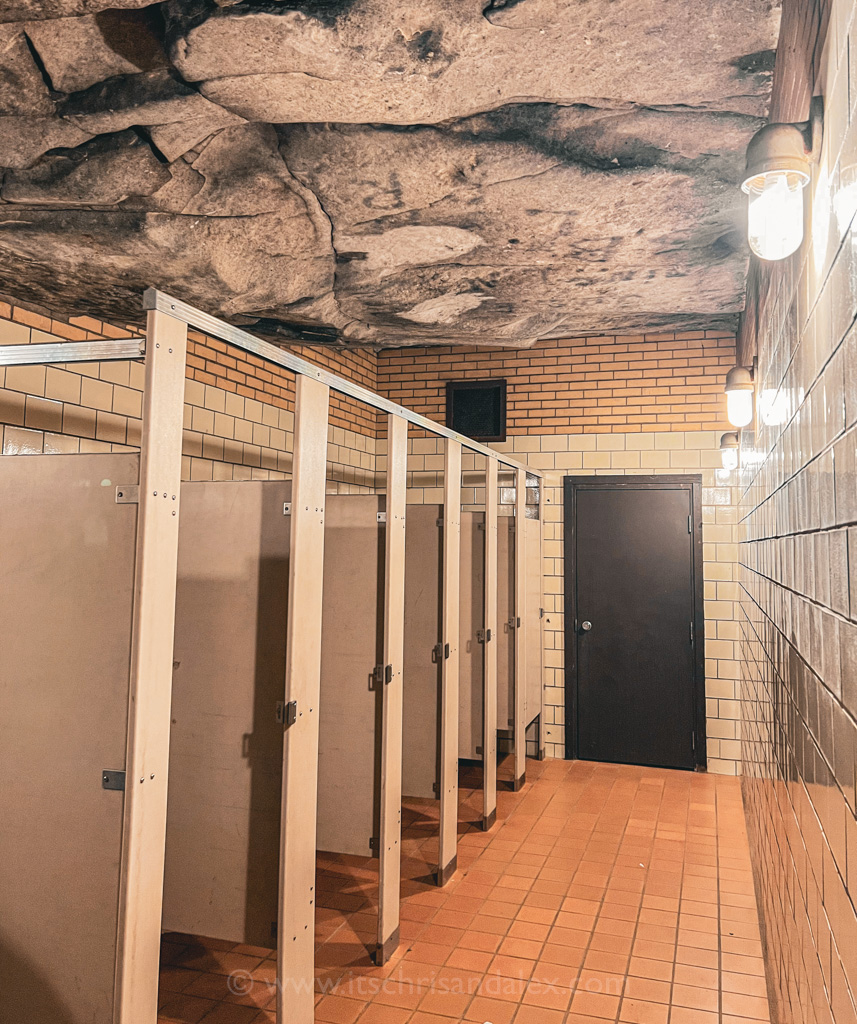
(586, 625)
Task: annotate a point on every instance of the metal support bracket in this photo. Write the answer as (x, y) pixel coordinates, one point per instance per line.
(111, 779)
(287, 508)
(382, 517)
(127, 494)
(287, 713)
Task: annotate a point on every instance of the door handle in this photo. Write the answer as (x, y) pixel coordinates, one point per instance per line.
(586, 625)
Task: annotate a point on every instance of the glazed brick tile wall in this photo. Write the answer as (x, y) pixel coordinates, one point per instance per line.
(631, 384)
(560, 455)
(239, 412)
(798, 514)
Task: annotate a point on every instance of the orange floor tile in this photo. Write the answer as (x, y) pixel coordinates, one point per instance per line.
(603, 893)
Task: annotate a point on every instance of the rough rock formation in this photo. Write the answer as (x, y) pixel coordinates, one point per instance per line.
(359, 171)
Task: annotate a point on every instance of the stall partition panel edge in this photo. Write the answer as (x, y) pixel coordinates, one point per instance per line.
(634, 622)
(67, 569)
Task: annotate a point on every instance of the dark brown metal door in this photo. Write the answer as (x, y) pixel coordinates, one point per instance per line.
(634, 630)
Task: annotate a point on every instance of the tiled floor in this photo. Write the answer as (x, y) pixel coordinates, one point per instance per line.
(604, 893)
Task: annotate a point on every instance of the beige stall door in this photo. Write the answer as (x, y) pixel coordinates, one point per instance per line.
(421, 680)
(472, 618)
(351, 647)
(66, 589)
(533, 622)
(505, 627)
(226, 749)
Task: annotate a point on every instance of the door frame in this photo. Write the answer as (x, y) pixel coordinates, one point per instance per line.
(691, 482)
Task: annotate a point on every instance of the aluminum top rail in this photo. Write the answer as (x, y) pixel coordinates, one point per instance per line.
(193, 317)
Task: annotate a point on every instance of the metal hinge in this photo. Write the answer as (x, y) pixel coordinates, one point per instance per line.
(382, 517)
(691, 633)
(690, 524)
(287, 713)
(112, 779)
(287, 508)
(371, 842)
(541, 613)
(127, 494)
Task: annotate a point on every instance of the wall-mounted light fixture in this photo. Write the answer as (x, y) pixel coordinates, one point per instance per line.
(778, 161)
(729, 451)
(740, 391)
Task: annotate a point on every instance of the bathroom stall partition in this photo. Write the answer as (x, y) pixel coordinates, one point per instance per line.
(87, 688)
(228, 715)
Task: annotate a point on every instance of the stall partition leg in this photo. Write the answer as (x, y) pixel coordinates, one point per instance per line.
(296, 926)
(390, 865)
(448, 845)
(151, 672)
(489, 675)
(520, 642)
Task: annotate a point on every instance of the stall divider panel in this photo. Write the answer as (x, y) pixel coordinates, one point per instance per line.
(390, 852)
(539, 654)
(520, 714)
(489, 671)
(67, 565)
(448, 846)
(150, 691)
(296, 927)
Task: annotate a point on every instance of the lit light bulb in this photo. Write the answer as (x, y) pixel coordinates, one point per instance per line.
(739, 408)
(729, 451)
(775, 214)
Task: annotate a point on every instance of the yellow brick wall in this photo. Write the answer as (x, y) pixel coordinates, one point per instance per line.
(648, 382)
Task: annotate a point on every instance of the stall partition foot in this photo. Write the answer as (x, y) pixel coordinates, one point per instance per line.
(488, 820)
(542, 754)
(384, 950)
(444, 874)
(518, 784)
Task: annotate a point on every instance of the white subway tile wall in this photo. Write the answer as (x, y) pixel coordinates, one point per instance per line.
(798, 510)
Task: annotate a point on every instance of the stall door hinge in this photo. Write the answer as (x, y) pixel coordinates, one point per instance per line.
(127, 494)
(690, 524)
(691, 633)
(112, 779)
(287, 713)
(287, 508)
(381, 516)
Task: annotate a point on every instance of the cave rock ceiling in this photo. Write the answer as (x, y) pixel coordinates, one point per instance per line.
(372, 172)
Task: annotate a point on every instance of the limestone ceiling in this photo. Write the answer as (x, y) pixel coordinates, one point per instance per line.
(368, 172)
